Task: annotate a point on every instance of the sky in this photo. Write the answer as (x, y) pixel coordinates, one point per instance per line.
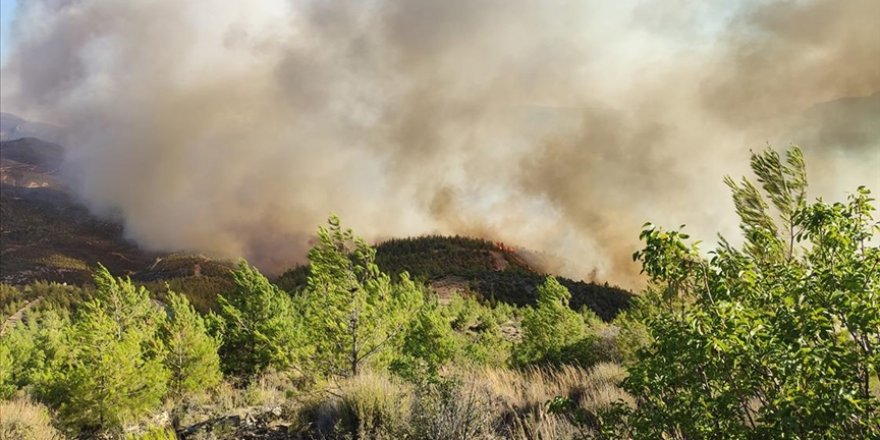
(7, 13)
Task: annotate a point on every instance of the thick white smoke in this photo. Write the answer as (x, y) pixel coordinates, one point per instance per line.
(234, 128)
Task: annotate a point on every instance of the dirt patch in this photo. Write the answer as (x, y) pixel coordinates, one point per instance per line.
(448, 286)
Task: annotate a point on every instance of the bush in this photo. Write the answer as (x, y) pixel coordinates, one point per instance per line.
(369, 405)
(451, 410)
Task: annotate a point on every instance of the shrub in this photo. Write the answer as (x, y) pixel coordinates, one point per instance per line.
(369, 405)
(452, 409)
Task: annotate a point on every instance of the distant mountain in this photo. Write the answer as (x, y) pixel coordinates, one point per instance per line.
(30, 163)
(14, 127)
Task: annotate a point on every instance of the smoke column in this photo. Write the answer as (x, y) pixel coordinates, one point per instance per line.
(234, 128)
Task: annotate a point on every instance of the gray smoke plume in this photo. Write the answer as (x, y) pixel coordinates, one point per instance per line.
(234, 128)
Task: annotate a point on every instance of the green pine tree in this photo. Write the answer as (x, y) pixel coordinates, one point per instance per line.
(128, 305)
(259, 325)
(552, 332)
(355, 313)
(428, 345)
(191, 354)
(115, 373)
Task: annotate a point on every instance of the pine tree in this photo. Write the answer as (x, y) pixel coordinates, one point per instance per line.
(429, 344)
(128, 305)
(355, 313)
(191, 354)
(552, 332)
(259, 325)
(114, 372)
(112, 378)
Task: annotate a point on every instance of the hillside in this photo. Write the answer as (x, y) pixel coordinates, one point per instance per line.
(48, 235)
(490, 271)
(45, 234)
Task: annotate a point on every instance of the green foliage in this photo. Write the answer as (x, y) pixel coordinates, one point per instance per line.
(435, 256)
(129, 306)
(17, 349)
(31, 349)
(478, 333)
(428, 345)
(258, 325)
(354, 313)
(553, 334)
(154, 434)
(772, 340)
(202, 291)
(115, 372)
(111, 379)
(464, 313)
(191, 355)
(41, 296)
(111, 363)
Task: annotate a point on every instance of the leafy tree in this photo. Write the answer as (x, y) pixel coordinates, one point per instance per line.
(776, 339)
(258, 324)
(552, 332)
(355, 314)
(191, 354)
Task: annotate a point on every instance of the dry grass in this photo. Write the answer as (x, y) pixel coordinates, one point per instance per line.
(592, 388)
(454, 410)
(477, 404)
(269, 391)
(370, 405)
(521, 397)
(480, 404)
(22, 419)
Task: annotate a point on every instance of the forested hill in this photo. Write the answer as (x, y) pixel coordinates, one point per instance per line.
(490, 271)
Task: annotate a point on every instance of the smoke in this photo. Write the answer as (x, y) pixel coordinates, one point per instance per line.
(234, 128)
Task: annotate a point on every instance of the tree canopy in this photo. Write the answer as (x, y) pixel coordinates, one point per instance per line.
(777, 338)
